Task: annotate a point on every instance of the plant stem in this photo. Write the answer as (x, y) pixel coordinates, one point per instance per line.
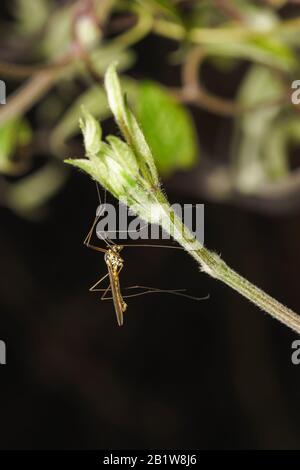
(213, 265)
(128, 171)
(24, 98)
(214, 35)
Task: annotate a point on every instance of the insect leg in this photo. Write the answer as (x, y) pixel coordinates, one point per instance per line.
(93, 288)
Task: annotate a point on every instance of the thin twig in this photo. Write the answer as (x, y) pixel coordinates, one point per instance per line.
(28, 94)
(194, 92)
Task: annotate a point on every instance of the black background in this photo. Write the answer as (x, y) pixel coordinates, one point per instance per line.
(215, 374)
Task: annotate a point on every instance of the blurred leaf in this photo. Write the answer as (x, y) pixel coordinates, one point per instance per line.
(294, 130)
(258, 41)
(264, 50)
(31, 14)
(253, 164)
(165, 6)
(29, 194)
(275, 150)
(102, 57)
(168, 128)
(259, 85)
(284, 134)
(57, 38)
(275, 51)
(14, 135)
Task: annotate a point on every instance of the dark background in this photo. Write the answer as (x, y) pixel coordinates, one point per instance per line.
(215, 374)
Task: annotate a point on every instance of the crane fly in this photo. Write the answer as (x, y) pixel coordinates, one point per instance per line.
(115, 263)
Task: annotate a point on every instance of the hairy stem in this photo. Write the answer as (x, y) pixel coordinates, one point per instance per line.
(212, 264)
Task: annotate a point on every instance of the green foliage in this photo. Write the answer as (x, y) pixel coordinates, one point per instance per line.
(112, 164)
(14, 135)
(254, 163)
(67, 47)
(127, 170)
(168, 128)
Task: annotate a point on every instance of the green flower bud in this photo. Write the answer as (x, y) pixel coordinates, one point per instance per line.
(126, 169)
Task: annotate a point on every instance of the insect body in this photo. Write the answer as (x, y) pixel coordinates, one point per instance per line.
(114, 264)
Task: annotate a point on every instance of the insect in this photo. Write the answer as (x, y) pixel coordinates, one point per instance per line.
(115, 263)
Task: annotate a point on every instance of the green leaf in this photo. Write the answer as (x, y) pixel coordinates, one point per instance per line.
(168, 128)
(83, 164)
(28, 195)
(122, 152)
(255, 164)
(14, 134)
